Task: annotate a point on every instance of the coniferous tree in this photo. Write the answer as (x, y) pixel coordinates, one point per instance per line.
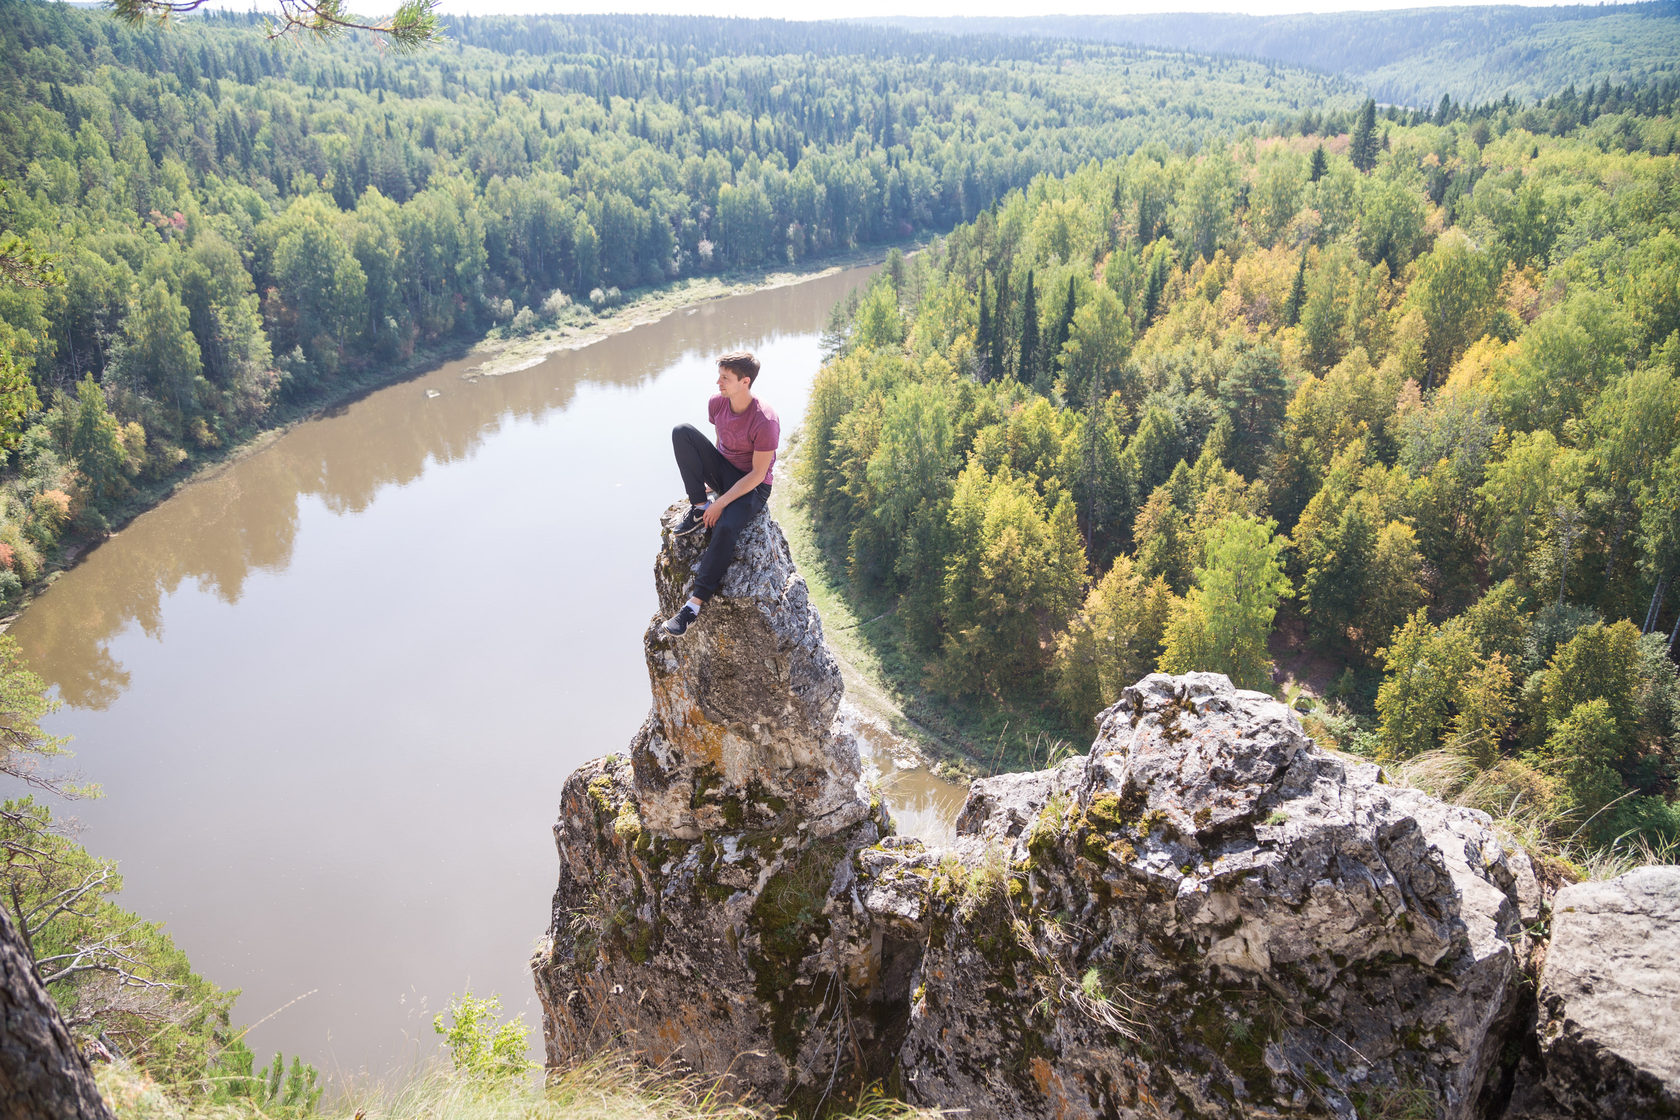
(983, 335)
(1156, 286)
(1064, 324)
(1320, 164)
(1000, 350)
(1297, 295)
(1026, 369)
(1363, 147)
(413, 24)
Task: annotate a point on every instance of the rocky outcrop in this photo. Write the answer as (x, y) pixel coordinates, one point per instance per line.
(1208, 916)
(741, 734)
(706, 913)
(1205, 916)
(1609, 1004)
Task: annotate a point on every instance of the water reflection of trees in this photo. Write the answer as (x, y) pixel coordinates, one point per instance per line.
(245, 518)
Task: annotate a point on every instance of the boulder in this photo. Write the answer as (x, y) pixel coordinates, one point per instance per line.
(1609, 1002)
(1209, 916)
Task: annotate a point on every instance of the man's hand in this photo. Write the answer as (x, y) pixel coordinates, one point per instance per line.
(743, 486)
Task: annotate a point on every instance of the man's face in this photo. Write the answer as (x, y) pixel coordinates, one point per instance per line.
(729, 384)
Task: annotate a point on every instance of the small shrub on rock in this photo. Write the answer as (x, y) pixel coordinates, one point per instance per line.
(479, 1046)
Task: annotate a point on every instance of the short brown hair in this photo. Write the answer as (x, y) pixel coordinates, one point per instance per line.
(742, 364)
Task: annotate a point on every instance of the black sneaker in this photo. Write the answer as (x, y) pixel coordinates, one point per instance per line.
(682, 620)
(694, 519)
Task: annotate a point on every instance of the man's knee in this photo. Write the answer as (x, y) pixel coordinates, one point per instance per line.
(683, 433)
(724, 534)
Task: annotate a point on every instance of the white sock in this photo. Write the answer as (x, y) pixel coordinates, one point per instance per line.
(695, 603)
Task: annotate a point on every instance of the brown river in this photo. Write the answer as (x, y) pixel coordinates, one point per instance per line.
(332, 692)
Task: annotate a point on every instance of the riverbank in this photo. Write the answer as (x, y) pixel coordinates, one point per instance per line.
(500, 355)
(868, 685)
(510, 354)
(959, 743)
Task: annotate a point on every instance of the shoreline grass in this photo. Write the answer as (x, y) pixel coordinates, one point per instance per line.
(610, 1085)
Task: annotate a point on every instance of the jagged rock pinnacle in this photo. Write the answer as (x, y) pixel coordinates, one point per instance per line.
(741, 733)
(700, 917)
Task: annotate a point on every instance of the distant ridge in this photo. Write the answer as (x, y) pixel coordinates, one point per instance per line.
(1407, 57)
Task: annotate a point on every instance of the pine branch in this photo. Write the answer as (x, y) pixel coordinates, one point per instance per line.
(414, 24)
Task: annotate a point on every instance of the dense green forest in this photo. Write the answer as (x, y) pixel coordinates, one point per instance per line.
(240, 224)
(1401, 407)
(1406, 57)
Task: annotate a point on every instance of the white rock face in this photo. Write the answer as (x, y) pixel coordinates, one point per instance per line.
(1610, 998)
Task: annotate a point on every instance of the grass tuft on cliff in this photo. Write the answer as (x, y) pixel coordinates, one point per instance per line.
(608, 1086)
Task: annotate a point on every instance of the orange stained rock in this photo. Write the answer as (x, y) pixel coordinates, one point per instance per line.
(1050, 1084)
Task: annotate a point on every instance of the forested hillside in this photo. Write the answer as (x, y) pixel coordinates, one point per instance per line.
(1409, 57)
(239, 223)
(1402, 407)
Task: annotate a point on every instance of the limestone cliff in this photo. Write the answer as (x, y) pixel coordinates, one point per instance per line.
(696, 917)
(1204, 916)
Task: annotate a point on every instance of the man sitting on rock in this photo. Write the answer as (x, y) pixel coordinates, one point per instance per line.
(736, 469)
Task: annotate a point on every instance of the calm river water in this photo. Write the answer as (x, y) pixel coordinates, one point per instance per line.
(332, 693)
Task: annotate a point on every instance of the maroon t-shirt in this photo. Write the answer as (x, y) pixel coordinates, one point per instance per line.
(740, 434)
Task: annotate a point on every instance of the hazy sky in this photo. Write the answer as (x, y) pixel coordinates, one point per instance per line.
(840, 9)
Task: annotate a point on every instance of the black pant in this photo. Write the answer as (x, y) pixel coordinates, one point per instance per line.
(703, 465)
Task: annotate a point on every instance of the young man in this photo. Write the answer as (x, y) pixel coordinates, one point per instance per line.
(737, 469)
